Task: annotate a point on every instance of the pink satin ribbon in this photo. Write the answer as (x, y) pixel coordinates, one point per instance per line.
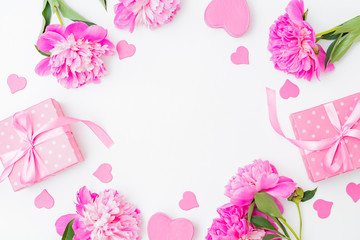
(335, 146)
(34, 167)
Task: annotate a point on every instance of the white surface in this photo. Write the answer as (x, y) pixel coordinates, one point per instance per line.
(182, 116)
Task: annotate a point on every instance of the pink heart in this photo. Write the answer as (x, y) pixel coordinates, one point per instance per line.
(323, 208)
(241, 56)
(353, 191)
(44, 200)
(232, 15)
(125, 50)
(103, 173)
(288, 90)
(161, 227)
(16, 83)
(188, 201)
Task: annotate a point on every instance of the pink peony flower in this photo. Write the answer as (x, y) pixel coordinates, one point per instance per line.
(232, 225)
(76, 53)
(257, 177)
(151, 13)
(292, 43)
(106, 216)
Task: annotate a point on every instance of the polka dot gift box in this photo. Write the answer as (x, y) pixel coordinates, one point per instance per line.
(37, 143)
(328, 135)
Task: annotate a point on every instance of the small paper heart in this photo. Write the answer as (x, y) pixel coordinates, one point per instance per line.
(188, 201)
(125, 50)
(161, 227)
(323, 208)
(44, 200)
(103, 173)
(16, 83)
(288, 90)
(353, 190)
(241, 56)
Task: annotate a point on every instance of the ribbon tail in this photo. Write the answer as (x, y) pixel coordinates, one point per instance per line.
(6, 173)
(347, 162)
(29, 172)
(331, 163)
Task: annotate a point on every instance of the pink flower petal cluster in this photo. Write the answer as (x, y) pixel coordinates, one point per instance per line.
(232, 225)
(260, 176)
(76, 53)
(292, 43)
(151, 13)
(104, 216)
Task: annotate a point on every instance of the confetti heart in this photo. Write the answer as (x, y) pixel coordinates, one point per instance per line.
(323, 208)
(125, 50)
(44, 200)
(188, 201)
(161, 227)
(353, 191)
(241, 56)
(232, 15)
(103, 173)
(16, 83)
(288, 90)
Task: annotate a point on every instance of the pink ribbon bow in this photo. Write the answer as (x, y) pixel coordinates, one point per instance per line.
(34, 168)
(334, 145)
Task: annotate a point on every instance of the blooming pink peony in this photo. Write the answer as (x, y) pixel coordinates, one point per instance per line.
(257, 177)
(76, 53)
(232, 225)
(292, 43)
(106, 216)
(151, 13)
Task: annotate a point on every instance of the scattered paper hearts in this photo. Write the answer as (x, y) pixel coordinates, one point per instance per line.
(103, 173)
(188, 201)
(161, 227)
(125, 50)
(232, 15)
(288, 90)
(323, 208)
(16, 83)
(353, 190)
(44, 200)
(241, 56)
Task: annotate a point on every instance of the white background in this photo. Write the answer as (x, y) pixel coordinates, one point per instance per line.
(182, 116)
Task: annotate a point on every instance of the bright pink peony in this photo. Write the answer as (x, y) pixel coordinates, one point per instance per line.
(257, 177)
(106, 216)
(232, 225)
(76, 53)
(292, 43)
(151, 13)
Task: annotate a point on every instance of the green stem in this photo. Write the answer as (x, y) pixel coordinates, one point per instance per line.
(327, 32)
(58, 15)
(288, 226)
(300, 218)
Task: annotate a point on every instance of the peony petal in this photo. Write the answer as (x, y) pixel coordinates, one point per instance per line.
(243, 196)
(321, 58)
(295, 9)
(62, 222)
(47, 41)
(76, 29)
(94, 33)
(57, 28)
(282, 190)
(43, 68)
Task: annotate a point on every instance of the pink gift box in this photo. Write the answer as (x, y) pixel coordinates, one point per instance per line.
(314, 124)
(57, 153)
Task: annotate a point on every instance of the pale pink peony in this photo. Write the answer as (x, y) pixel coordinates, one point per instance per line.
(106, 216)
(259, 176)
(76, 53)
(151, 13)
(232, 225)
(292, 43)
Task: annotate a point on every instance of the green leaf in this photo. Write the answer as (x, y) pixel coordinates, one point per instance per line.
(46, 54)
(305, 15)
(261, 222)
(349, 26)
(47, 15)
(330, 50)
(281, 226)
(271, 236)
(69, 13)
(54, 4)
(309, 195)
(344, 46)
(250, 211)
(266, 204)
(104, 3)
(69, 231)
